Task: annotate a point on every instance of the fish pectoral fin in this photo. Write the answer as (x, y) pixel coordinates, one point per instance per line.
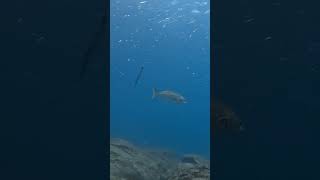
(154, 93)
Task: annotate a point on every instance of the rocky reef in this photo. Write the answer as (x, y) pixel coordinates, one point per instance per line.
(130, 162)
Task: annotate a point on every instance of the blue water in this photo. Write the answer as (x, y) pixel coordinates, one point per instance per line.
(170, 39)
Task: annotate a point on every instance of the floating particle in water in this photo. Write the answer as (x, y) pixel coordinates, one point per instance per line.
(188, 68)
(204, 3)
(164, 20)
(174, 2)
(268, 38)
(195, 11)
(143, 2)
(122, 74)
(207, 12)
(249, 20)
(120, 41)
(191, 34)
(191, 21)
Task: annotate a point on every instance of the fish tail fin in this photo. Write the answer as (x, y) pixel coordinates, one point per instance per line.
(154, 93)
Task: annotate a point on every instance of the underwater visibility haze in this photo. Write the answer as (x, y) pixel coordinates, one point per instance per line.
(160, 56)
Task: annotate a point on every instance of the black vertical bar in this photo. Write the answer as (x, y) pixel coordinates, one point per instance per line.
(212, 155)
(107, 65)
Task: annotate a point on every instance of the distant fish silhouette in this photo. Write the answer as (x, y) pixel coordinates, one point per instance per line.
(169, 95)
(139, 76)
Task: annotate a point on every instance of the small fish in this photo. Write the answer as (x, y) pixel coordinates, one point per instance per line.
(226, 118)
(169, 95)
(138, 76)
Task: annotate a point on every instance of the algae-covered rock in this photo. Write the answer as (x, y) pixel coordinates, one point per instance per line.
(129, 162)
(191, 167)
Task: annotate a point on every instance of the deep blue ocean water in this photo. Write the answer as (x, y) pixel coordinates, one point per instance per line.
(170, 39)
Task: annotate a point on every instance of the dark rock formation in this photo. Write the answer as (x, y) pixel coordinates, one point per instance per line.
(129, 162)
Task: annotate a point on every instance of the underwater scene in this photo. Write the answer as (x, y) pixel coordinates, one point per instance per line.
(160, 89)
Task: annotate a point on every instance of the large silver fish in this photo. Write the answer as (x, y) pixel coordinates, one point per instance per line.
(169, 95)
